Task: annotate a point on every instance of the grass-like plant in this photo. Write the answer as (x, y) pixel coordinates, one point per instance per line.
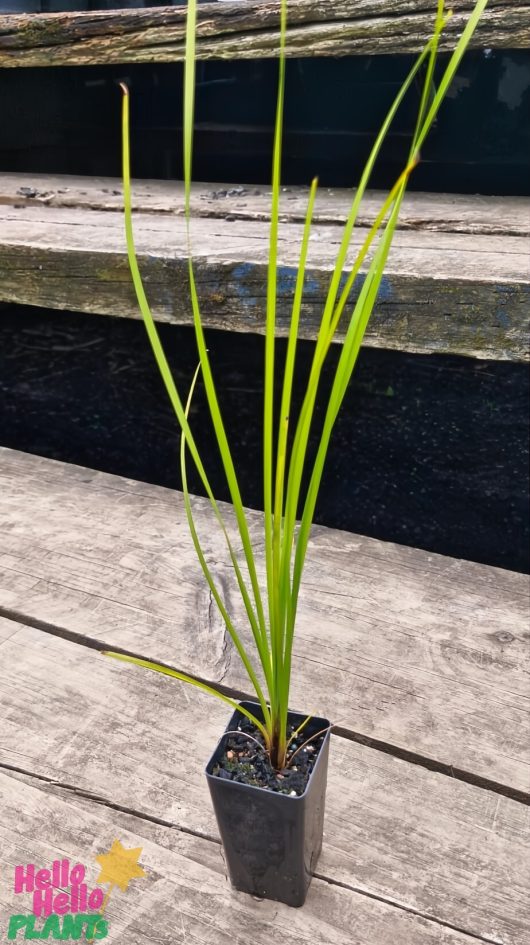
(271, 610)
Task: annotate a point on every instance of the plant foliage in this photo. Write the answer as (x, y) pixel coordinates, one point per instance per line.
(288, 508)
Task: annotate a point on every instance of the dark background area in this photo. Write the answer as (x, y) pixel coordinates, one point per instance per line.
(67, 120)
(429, 451)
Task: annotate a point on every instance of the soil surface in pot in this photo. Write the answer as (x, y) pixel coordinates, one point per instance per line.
(246, 760)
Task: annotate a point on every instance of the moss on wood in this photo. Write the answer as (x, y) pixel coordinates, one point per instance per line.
(249, 30)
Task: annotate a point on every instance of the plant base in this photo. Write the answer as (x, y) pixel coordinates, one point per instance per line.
(271, 841)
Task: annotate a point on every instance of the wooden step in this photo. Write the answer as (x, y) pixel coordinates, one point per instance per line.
(401, 647)
(403, 850)
(185, 897)
(248, 29)
(457, 280)
(422, 660)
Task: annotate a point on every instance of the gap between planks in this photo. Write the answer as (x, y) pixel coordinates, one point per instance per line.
(430, 764)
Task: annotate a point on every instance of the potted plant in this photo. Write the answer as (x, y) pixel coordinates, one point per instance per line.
(267, 775)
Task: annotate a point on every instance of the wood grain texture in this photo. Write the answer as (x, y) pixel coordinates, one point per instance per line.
(419, 841)
(453, 285)
(185, 897)
(249, 30)
(445, 213)
(418, 651)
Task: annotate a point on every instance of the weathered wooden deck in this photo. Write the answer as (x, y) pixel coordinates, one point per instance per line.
(422, 660)
(457, 278)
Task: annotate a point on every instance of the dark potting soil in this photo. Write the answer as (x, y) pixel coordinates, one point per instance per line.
(246, 760)
(429, 451)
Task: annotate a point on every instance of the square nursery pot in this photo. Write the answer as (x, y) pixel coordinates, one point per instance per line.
(271, 841)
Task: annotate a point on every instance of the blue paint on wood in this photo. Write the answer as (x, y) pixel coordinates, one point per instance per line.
(241, 273)
(287, 276)
(386, 291)
(286, 280)
(245, 276)
(386, 288)
(504, 295)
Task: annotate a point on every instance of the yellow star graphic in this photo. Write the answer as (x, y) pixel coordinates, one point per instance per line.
(119, 866)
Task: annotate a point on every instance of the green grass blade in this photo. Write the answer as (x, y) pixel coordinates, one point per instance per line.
(226, 458)
(450, 70)
(275, 620)
(209, 385)
(367, 297)
(264, 654)
(362, 254)
(159, 353)
(347, 360)
(325, 336)
(428, 83)
(143, 304)
(183, 677)
(280, 579)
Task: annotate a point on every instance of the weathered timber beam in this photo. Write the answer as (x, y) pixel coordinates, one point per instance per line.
(462, 293)
(248, 29)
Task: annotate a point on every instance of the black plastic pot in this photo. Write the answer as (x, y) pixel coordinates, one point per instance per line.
(271, 841)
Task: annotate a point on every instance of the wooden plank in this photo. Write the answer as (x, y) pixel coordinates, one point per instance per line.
(249, 30)
(450, 213)
(423, 842)
(408, 649)
(184, 898)
(457, 288)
